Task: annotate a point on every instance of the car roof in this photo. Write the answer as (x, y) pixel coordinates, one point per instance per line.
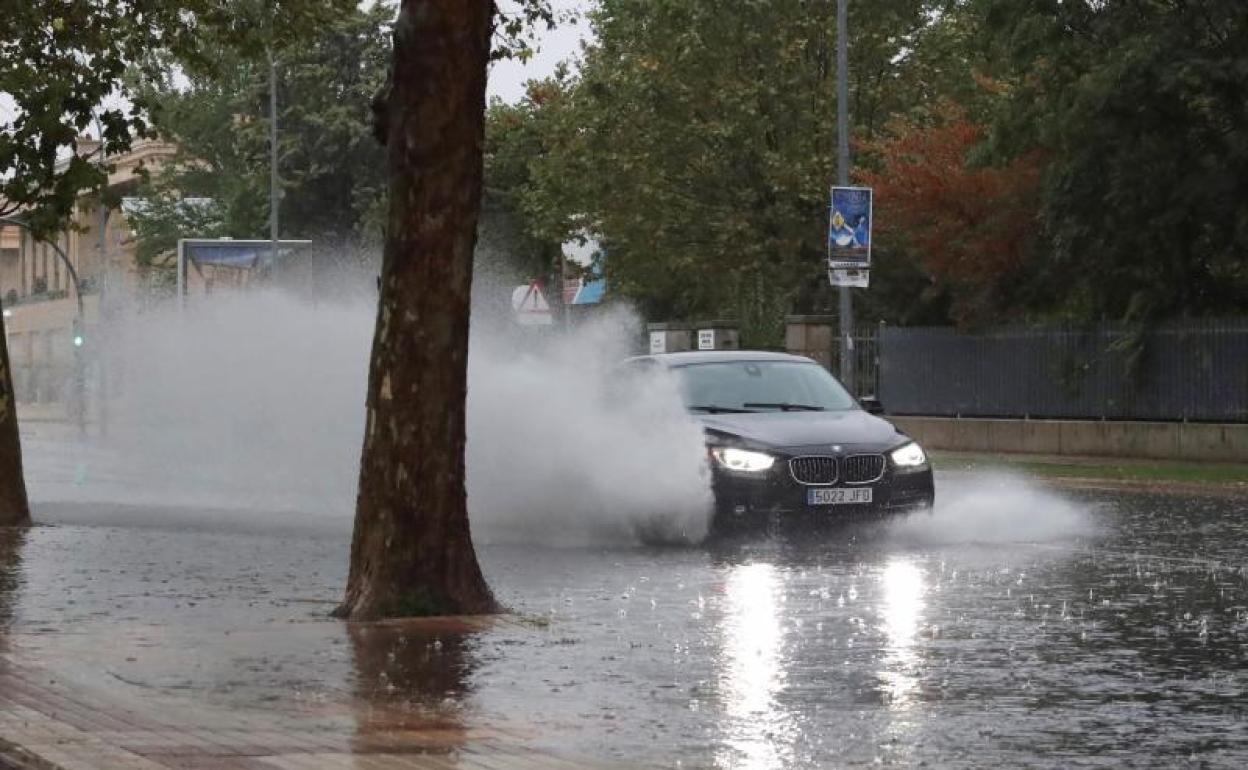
(719, 356)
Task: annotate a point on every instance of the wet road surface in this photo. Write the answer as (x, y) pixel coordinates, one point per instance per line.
(1012, 627)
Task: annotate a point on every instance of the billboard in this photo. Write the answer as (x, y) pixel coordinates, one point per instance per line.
(849, 228)
(229, 252)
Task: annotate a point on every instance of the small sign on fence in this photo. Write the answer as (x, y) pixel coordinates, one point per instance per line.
(658, 342)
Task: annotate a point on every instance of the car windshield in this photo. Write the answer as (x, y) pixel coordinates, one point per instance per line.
(756, 386)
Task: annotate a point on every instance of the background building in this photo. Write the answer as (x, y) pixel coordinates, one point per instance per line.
(38, 292)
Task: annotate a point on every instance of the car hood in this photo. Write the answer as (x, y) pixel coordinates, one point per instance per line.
(852, 427)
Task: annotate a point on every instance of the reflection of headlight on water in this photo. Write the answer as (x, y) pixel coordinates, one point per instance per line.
(902, 589)
(753, 673)
(903, 600)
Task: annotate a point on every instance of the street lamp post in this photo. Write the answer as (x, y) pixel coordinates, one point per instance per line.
(103, 271)
(273, 181)
(846, 315)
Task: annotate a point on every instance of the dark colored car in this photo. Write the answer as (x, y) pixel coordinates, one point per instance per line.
(785, 439)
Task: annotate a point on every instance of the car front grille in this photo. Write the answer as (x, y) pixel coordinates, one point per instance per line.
(854, 469)
(863, 469)
(813, 470)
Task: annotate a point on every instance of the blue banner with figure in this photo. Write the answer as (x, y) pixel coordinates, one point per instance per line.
(849, 228)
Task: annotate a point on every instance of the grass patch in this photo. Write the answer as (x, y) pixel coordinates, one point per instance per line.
(1096, 468)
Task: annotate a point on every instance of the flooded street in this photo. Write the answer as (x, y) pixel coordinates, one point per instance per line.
(1013, 626)
(797, 384)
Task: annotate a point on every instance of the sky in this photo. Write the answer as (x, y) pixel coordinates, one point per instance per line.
(507, 77)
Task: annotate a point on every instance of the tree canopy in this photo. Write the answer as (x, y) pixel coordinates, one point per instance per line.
(699, 146)
(970, 227)
(67, 64)
(1138, 108)
(1074, 160)
(1051, 159)
(332, 172)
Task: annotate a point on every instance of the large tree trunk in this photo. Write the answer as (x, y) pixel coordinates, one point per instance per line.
(12, 540)
(14, 508)
(412, 552)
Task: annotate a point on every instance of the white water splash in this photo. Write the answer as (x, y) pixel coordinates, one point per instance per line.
(996, 507)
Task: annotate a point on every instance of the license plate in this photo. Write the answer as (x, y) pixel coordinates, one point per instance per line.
(838, 495)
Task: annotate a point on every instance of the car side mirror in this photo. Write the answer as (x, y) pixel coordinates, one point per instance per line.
(872, 405)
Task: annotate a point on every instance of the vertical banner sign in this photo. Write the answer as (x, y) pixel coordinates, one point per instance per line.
(849, 237)
(849, 228)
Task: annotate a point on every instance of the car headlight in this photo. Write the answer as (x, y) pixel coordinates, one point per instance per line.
(909, 455)
(742, 459)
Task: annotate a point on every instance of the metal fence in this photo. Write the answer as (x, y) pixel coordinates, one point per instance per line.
(1190, 370)
(866, 352)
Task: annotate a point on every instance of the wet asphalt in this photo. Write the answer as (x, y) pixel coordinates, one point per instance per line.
(1013, 627)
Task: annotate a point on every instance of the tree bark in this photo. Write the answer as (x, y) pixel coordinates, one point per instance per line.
(14, 507)
(412, 551)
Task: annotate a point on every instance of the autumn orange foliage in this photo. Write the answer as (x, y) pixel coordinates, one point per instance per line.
(970, 227)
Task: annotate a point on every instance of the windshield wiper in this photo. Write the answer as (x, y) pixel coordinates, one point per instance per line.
(786, 407)
(712, 409)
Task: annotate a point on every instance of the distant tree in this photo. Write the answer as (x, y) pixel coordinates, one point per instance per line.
(332, 173)
(515, 137)
(970, 226)
(1139, 110)
(67, 64)
(700, 144)
(165, 216)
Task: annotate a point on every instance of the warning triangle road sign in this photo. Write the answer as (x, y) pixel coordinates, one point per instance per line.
(530, 305)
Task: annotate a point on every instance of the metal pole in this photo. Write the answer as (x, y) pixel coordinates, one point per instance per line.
(563, 279)
(96, 349)
(101, 359)
(181, 268)
(272, 161)
(846, 314)
(102, 273)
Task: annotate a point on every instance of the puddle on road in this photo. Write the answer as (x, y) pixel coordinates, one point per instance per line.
(1123, 642)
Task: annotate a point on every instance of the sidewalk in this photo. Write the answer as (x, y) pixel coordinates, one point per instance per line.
(49, 723)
